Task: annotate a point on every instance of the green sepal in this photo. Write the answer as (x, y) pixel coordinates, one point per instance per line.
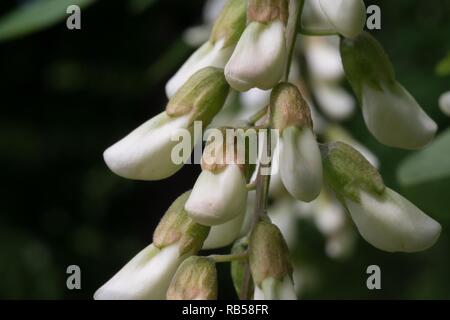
(347, 172)
(202, 96)
(231, 23)
(177, 226)
(366, 63)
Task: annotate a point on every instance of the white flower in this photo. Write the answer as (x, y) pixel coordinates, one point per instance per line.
(444, 103)
(146, 277)
(259, 57)
(218, 197)
(145, 154)
(272, 289)
(392, 223)
(348, 17)
(300, 163)
(208, 55)
(395, 118)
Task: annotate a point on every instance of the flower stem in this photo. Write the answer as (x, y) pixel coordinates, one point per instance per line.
(296, 7)
(258, 115)
(218, 258)
(262, 181)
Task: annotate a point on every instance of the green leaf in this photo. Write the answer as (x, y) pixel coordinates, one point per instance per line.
(443, 68)
(36, 16)
(430, 164)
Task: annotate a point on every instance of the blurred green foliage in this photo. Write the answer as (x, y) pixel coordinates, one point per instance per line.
(67, 95)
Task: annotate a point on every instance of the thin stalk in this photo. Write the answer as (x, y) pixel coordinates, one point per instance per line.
(296, 6)
(258, 115)
(218, 258)
(263, 181)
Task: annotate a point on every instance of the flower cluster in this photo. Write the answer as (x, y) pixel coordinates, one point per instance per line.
(251, 51)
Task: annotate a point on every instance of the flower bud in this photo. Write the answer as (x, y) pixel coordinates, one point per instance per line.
(444, 103)
(391, 114)
(391, 223)
(218, 197)
(214, 53)
(299, 155)
(195, 279)
(146, 277)
(269, 255)
(220, 192)
(260, 55)
(348, 17)
(145, 154)
(384, 218)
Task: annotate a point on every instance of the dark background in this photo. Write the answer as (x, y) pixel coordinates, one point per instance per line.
(68, 95)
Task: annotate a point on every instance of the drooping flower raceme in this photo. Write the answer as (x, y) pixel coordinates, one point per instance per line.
(148, 275)
(270, 264)
(391, 114)
(383, 217)
(145, 154)
(299, 155)
(259, 58)
(218, 49)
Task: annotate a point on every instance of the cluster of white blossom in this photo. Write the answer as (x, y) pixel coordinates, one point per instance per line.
(251, 51)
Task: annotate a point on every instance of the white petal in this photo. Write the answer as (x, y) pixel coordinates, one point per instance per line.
(146, 277)
(392, 223)
(314, 18)
(444, 103)
(259, 57)
(145, 154)
(258, 294)
(218, 197)
(208, 55)
(395, 118)
(347, 16)
(224, 234)
(336, 103)
(300, 164)
(254, 100)
(272, 289)
(324, 58)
